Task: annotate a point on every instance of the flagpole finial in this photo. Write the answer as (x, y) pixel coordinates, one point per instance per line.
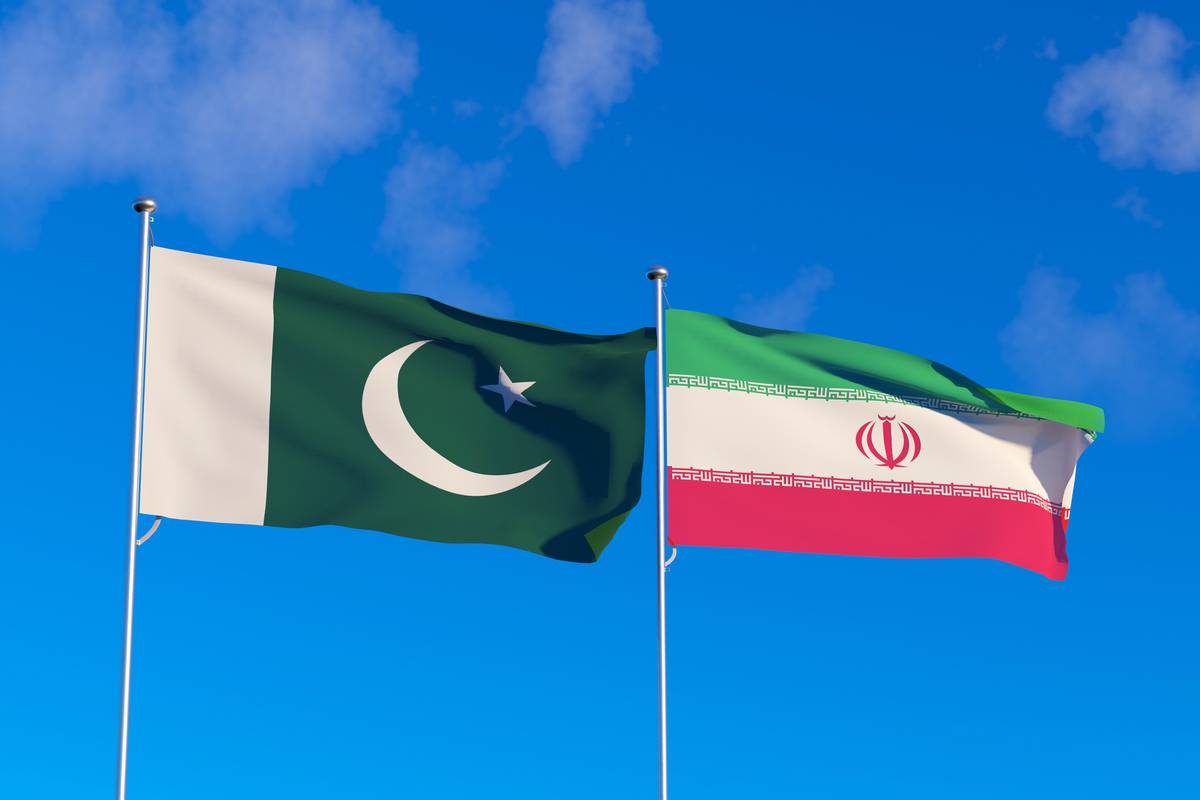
(656, 273)
(143, 204)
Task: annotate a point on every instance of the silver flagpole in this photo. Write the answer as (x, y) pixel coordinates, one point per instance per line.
(144, 206)
(659, 275)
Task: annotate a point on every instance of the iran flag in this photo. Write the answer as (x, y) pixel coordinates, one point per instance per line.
(794, 441)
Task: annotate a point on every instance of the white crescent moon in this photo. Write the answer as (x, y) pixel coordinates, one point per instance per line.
(383, 414)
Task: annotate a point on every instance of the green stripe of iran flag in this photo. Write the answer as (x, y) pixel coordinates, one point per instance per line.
(274, 397)
(710, 346)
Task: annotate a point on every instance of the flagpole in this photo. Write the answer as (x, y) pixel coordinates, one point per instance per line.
(658, 274)
(144, 206)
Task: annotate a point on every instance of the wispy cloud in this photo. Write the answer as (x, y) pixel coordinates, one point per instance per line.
(791, 306)
(465, 108)
(1049, 50)
(586, 66)
(591, 51)
(229, 108)
(1138, 207)
(1139, 355)
(430, 196)
(1135, 99)
(998, 43)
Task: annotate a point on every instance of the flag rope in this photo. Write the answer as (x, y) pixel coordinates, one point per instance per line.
(153, 528)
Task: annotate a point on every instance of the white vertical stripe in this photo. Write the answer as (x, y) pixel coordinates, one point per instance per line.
(208, 388)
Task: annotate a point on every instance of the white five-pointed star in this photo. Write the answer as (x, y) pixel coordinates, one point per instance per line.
(511, 391)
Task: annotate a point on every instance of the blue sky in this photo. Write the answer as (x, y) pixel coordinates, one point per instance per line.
(1007, 188)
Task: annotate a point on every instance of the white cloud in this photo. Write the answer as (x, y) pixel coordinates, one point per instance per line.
(466, 108)
(431, 193)
(1135, 99)
(221, 114)
(1138, 207)
(591, 51)
(790, 307)
(1049, 50)
(1138, 358)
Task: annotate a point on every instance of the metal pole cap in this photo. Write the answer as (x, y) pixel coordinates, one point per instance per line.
(657, 273)
(144, 204)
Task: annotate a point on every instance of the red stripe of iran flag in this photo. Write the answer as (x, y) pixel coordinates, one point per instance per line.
(800, 442)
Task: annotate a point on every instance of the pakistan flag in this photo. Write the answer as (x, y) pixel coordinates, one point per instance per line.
(274, 397)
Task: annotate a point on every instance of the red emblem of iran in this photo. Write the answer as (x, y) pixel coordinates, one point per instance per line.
(892, 444)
